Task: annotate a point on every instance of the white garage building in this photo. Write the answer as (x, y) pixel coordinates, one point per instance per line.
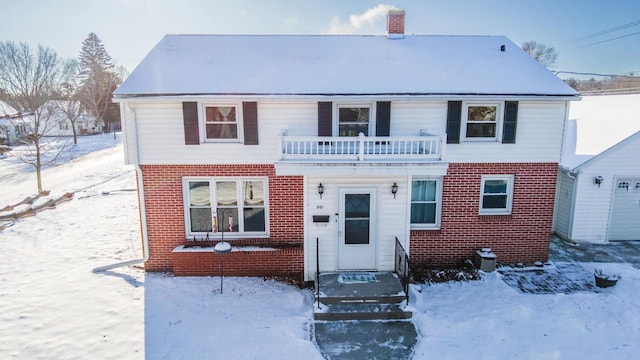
(598, 192)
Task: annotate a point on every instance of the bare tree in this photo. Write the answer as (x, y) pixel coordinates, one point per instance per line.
(68, 103)
(544, 54)
(30, 80)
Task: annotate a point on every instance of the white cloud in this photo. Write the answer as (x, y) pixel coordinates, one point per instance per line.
(368, 22)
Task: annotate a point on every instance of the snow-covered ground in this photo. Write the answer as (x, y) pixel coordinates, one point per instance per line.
(52, 306)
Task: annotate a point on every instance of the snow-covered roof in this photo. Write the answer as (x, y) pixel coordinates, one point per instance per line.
(6, 109)
(331, 65)
(598, 123)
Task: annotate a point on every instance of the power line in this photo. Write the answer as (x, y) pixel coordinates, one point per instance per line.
(608, 40)
(610, 30)
(596, 74)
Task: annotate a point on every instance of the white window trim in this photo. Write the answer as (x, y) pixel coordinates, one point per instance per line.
(510, 185)
(436, 226)
(202, 119)
(212, 181)
(499, 121)
(336, 115)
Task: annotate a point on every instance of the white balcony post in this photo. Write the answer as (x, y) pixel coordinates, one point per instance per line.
(443, 146)
(361, 149)
(282, 147)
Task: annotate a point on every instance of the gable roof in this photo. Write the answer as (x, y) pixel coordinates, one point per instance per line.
(334, 65)
(598, 123)
(621, 144)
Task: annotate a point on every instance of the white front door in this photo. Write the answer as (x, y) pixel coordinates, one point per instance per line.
(625, 213)
(357, 246)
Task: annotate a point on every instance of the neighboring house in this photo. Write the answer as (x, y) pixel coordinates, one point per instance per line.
(59, 124)
(598, 197)
(447, 143)
(14, 125)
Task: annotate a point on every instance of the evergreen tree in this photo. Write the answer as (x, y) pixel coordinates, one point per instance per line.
(98, 78)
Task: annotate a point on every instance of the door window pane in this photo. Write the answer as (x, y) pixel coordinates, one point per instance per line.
(356, 231)
(356, 205)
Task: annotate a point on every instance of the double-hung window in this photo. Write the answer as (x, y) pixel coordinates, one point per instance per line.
(482, 121)
(225, 204)
(426, 195)
(496, 195)
(221, 122)
(353, 120)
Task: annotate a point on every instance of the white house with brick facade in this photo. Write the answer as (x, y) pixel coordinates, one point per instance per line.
(278, 143)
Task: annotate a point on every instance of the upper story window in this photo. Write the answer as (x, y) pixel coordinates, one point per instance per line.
(225, 204)
(353, 120)
(481, 121)
(496, 195)
(221, 122)
(426, 195)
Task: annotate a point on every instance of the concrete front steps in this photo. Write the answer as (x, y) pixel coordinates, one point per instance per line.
(382, 299)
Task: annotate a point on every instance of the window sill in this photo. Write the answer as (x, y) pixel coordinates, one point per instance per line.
(424, 227)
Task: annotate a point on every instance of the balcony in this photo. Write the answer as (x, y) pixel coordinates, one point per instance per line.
(362, 155)
(363, 148)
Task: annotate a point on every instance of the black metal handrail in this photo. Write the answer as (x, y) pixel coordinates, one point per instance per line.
(318, 271)
(402, 267)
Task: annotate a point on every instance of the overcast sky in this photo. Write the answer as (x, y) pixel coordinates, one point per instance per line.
(582, 32)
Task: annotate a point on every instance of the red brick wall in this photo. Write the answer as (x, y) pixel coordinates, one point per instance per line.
(239, 263)
(522, 236)
(165, 211)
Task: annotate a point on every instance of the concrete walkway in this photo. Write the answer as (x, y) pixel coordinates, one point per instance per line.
(613, 252)
(366, 340)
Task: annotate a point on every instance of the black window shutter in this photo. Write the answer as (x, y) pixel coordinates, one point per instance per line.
(454, 114)
(250, 122)
(383, 118)
(190, 119)
(324, 118)
(510, 122)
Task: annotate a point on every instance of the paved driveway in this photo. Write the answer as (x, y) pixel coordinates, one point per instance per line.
(614, 252)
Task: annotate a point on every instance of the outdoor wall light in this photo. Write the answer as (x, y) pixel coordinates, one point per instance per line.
(320, 190)
(394, 189)
(598, 180)
(638, 185)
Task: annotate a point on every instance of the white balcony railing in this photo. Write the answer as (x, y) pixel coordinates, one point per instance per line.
(363, 148)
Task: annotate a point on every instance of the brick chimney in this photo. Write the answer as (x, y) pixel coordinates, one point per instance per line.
(395, 24)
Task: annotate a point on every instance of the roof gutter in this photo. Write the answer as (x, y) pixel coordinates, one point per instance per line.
(141, 202)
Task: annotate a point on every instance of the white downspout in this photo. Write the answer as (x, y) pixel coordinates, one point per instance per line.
(141, 202)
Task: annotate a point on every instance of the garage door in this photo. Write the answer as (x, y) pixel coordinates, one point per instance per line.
(625, 214)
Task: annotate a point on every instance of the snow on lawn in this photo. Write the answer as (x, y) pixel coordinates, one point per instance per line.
(54, 306)
(489, 320)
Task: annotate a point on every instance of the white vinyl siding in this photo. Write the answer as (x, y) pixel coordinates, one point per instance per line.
(160, 132)
(392, 219)
(564, 203)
